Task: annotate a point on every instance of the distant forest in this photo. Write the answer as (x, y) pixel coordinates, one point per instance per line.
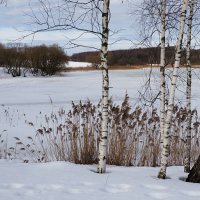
(139, 56)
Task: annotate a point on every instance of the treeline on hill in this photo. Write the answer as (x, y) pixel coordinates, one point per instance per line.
(140, 56)
(38, 60)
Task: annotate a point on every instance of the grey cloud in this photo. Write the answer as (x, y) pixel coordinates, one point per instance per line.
(13, 17)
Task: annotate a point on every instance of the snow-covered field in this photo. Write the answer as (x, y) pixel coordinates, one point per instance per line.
(66, 181)
(73, 64)
(29, 99)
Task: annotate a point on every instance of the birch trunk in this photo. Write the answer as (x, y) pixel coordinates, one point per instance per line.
(101, 168)
(188, 89)
(170, 107)
(162, 71)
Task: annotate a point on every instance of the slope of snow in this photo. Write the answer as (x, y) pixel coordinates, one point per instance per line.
(66, 181)
(73, 64)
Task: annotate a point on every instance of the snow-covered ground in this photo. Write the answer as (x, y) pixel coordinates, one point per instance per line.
(66, 181)
(30, 98)
(73, 64)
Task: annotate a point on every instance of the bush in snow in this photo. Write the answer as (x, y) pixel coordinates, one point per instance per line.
(39, 60)
(46, 60)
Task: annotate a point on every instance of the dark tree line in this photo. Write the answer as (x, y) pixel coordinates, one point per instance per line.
(39, 60)
(140, 56)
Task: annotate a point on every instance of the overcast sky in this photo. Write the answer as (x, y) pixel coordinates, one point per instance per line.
(13, 19)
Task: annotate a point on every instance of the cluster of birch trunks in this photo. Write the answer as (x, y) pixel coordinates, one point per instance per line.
(166, 118)
(166, 111)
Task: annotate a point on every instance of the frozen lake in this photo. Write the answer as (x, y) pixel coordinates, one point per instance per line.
(30, 98)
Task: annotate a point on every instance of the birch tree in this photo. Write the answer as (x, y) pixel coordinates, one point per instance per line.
(162, 69)
(101, 168)
(163, 13)
(188, 88)
(170, 107)
(159, 17)
(83, 16)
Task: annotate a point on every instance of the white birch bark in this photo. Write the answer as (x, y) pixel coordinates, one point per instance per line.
(162, 70)
(170, 107)
(188, 89)
(101, 168)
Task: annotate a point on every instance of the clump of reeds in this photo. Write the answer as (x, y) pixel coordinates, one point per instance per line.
(134, 136)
